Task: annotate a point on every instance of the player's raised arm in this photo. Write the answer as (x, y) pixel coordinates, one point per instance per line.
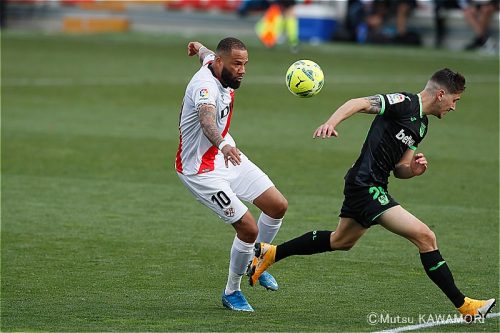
(371, 104)
(199, 49)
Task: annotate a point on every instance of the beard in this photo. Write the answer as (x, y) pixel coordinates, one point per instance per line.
(229, 80)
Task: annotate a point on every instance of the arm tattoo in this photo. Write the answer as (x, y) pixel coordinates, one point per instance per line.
(203, 52)
(375, 105)
(206, 114)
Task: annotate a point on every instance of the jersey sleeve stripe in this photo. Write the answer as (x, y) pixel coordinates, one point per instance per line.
(228, 124)
(420, 104)
(178, 160)
(382, 109)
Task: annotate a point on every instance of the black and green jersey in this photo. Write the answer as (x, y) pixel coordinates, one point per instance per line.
(399, 126)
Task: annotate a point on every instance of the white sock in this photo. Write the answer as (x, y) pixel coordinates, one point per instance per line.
(241, 254)
(268, 228)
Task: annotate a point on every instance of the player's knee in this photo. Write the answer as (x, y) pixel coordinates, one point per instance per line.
(281, 208)
(252, 235)
(246, 228)
(429, 236)
(278, 209)
(427, 240)
(251, 232)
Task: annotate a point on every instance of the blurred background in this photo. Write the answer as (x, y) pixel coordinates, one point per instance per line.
(452, 24)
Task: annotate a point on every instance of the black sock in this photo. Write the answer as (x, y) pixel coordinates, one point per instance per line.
(437, 270)
(309, 243)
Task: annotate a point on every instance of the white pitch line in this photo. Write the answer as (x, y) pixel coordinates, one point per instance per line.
(432, 324)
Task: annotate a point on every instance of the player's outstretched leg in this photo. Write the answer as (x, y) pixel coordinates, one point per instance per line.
(266, 254)
(472, 308)
(401, 222)
(439, 272)
(263, 259)
(317, 241)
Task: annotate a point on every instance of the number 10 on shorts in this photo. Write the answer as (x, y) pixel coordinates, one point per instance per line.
(221, 199)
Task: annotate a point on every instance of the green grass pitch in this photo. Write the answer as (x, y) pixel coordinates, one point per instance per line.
(98, 234)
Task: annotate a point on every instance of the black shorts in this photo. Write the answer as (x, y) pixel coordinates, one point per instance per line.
(365, 204)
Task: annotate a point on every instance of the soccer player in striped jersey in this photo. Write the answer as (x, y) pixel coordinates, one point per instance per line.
(216, 172)
(400, 125)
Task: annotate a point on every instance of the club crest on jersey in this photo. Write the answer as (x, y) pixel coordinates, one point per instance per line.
(204, 93)
(229, 212)
(422, 129)
(395, 98)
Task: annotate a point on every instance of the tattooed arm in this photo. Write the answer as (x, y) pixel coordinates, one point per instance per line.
(198, 48)
(375, 104)
(206, 113)
(372, 105)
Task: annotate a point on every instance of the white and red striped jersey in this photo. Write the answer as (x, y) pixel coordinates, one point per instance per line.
(196, 154)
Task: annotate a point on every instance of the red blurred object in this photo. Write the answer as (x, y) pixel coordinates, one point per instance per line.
(229, 5)
(204, 5)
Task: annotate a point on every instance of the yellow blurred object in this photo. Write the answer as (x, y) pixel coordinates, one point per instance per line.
(115, 6)
(269, 27)
(82, 24)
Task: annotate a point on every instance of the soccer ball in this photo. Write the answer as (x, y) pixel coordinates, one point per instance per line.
(304, 78)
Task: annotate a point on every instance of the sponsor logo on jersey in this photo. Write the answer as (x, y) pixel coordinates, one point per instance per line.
(224, 112)
(406, 139)
(396, 98)
(204, 93)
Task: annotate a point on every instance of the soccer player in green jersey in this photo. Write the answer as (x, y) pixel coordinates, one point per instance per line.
(400, 125)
